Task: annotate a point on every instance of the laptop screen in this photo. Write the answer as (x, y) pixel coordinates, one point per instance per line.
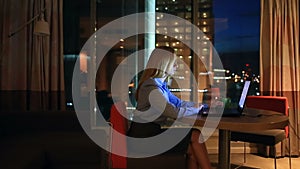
(244, 94)
(235, 98)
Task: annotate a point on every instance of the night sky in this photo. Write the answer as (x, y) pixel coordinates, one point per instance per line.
(237, 32)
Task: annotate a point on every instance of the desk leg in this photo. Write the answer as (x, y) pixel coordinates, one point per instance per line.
(224, 149)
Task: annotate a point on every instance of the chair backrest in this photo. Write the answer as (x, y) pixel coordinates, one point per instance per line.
(273, 103)
(118, 142)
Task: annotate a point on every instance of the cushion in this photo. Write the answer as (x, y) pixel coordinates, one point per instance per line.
(267, 137)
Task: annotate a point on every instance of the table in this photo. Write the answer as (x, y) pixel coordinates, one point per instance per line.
(252, 120)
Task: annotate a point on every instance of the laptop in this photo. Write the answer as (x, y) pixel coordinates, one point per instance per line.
(237, 108)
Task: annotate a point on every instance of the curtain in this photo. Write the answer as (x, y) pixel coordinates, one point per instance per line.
(279, 60)
(31, 66)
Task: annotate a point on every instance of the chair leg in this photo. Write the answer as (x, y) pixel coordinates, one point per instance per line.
(275, 156)
(110, 133)
(244, 152)
(290, 159)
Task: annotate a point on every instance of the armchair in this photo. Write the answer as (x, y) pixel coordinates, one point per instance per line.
(266, 137)
(163, 161)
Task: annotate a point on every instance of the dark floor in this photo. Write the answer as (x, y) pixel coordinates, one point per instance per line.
(257, 162)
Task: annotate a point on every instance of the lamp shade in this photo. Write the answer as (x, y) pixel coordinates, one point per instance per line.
(41, 28)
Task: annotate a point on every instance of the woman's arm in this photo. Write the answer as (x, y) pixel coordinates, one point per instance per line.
(180, 103)
(153, 103)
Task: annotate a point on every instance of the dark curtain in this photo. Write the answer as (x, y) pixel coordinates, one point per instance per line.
(31, 66)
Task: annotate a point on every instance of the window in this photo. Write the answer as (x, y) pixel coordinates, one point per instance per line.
(231, 26)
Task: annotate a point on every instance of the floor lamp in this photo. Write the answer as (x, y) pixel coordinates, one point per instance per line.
(41, 27)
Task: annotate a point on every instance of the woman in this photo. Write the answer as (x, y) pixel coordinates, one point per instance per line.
(152, 90)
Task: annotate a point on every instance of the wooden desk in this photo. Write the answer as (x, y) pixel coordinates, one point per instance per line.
(254, 119)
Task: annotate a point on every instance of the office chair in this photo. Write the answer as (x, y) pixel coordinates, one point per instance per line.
(162, 161)
(265, 137)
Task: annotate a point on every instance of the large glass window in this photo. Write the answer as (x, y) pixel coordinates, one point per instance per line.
(232, 27)
(237, 25)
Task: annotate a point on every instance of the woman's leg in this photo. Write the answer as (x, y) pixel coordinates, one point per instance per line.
(199, 151)
(192, 162)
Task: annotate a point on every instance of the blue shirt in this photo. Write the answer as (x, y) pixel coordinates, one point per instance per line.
(157, 103)
(167, 93)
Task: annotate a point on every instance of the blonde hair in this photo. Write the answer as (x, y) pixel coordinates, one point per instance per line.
(161, 61)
